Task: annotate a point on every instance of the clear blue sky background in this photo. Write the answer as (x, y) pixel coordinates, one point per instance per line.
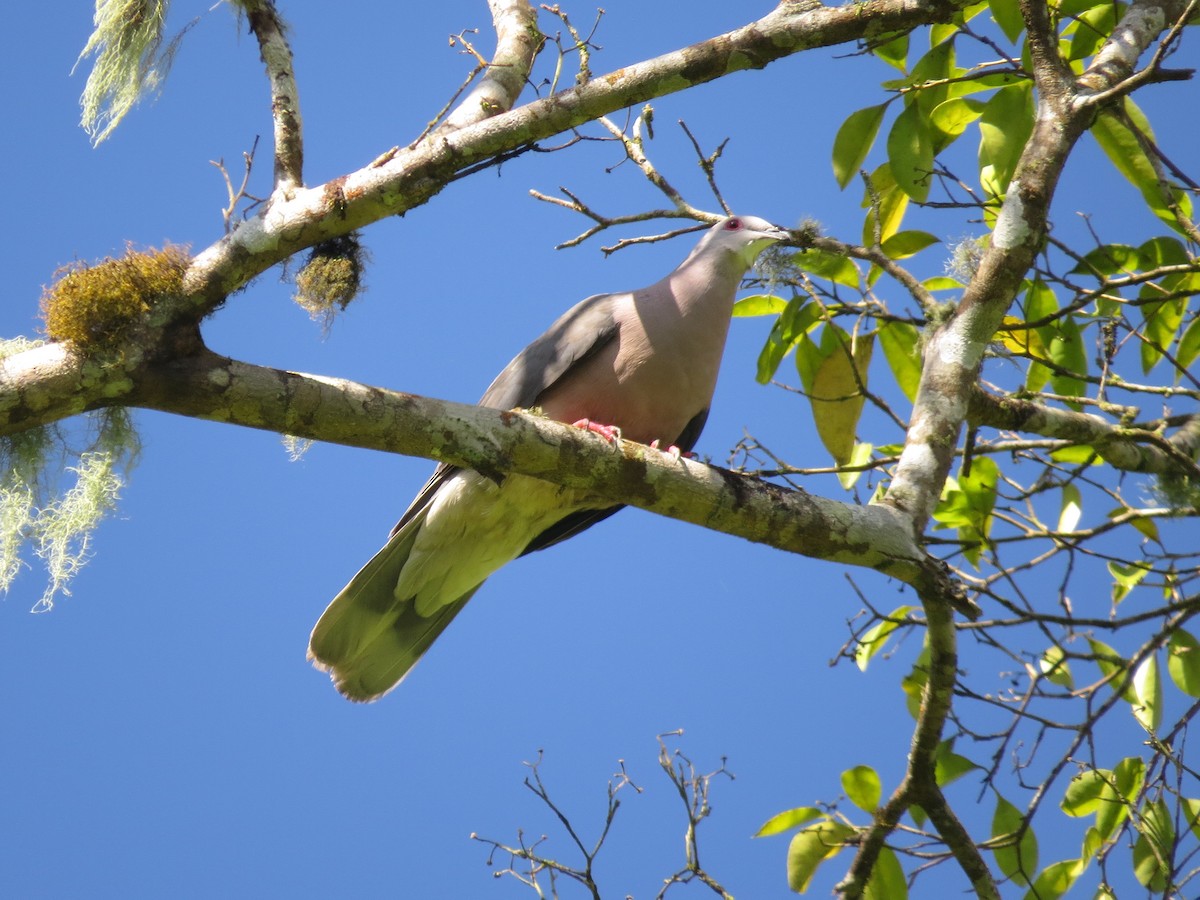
(163, 734)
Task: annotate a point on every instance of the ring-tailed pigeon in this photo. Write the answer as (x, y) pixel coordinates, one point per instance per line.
(644, 362)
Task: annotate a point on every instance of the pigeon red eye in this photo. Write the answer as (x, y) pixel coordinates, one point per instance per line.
(733, 225)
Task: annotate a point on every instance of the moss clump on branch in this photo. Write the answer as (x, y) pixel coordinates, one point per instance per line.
(94, 306)
(331, 277)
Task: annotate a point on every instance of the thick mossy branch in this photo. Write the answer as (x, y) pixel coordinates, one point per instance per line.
(95, 306)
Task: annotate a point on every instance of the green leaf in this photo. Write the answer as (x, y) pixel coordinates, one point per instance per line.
(1183, 662)
(1085, 792)
(1126, 578)
(1017, 860)
(823, 264)
(1113, 666)
(760, 305)
(787, 820)
(913, 684)
(1152, 850)
(860, 455)
(1067, 350)
(1071, 509)
(887, 881)
(853, 142)
(1055, 880)
(1007, 14)
(1093, 28)
(892, 204)
(1162, 321)
(950, 766)
(1109, 259)
(1191, 814)
(910, 152)
(899, 341)
(863, 787)
(894, 52)
(904, 244)
(1163, 250)
(1004, 129)
(1147, 687)
(1124, 151)
(1117, 797)
(810, 848)
(952, 116)
(1054, 666)
(877, 636)
(834, 393)
(1189, 347)
(797, 319)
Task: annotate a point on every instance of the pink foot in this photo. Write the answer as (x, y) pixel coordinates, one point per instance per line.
(673, 450)
(610, 433)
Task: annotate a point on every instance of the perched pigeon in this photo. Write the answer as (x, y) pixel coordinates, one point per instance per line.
(644, 362)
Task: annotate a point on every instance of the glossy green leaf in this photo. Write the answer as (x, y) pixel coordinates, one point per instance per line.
(1163, 250)
(1147, 687)
(1183, 662)
(900, 347)
(1067, 350)
(1189, 347)
(1113, 666)
(954, 115)
(835, 393)
(892, 204)
(910, 153)
(860, 455)
(1152, 850)
(1085, 792)
(1055, 880)
(887, 881)
(862, 787)
(877, 635)
(1109, 259)
(787, 820)
(840, 269)
(810, 848)
(894, 52)
(1190, 808)
(1117, 798)
(904, 244)
(854, 140)
(1007, 14)
(913, 684)
(1054, 666)
(760, 305)
(1018, 859)
(1071, 508)
(1093, 27)
(950, 766)
(1160, 327)
(1004, 128)
(1126, 578)
(1124, 151)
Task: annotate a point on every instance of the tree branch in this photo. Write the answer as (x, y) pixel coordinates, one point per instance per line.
(269, 29)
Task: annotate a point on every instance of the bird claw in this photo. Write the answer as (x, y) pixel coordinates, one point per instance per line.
(610, 433)
(673, 450)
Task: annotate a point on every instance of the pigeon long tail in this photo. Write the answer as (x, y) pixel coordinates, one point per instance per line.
(367, 639)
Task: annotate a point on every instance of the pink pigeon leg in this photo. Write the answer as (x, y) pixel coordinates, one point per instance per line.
(610, 433)
(673, 450)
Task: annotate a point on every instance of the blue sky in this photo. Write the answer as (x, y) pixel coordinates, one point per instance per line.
(164, 733)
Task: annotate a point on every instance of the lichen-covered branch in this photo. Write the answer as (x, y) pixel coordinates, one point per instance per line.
(209, 386)
(268, 27)
(402, 180)
(517, 43)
